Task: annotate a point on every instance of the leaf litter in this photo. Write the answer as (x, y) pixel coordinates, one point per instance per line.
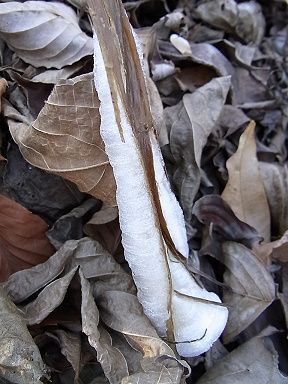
(216, 73)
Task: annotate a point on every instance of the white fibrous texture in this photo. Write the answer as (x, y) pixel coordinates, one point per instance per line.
(163, 283)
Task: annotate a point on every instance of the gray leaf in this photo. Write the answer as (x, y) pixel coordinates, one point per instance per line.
(111, 359)
(191, 122)
(48, 299)
(20, 359)
(43, 34)
(253, 288)
(254, 362)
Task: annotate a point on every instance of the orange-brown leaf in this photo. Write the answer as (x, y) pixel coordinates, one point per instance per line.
(23, 242)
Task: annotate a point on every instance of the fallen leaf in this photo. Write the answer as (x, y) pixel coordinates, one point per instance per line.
(48, 299)
(254, 362)
(219, 13)
(104, 227)
(283, 296)
(275, 180)
(20, 359)
(213, 210)
(35, 95)
(202, 53)
(43, 33)
(105, 215)
(249, 91)
(244, 191)
(246, 18)
(70, 344)
(277, 250)
(189, 125)
(70, 226)
(24, 183)
(251, 23)
(215, 354)
(22, 238)
(111, 359)
(25, 283)
(252, 288)
(52, 76)
(65, 138)
(3, 86)
(110, 294)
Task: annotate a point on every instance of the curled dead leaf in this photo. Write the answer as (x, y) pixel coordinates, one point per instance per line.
(109, 294)
(213, 211)
(59, 41)
(65, 138)
(189, 124)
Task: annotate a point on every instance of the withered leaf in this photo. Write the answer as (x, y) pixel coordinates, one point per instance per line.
(277, 250)
(52, 76)
(246, 18)
(113, 362)
(70, 226)
(65, 138)
(109, 294)
(190, 123)
(20, 359)
(254, 362)
(105, 215)
(70, 344)
(212, 209)
(219, 13)
(251, 23)
(24, 183)
(22, 238)
(275, 180)
(210, 56)
(43, 33)
(252, 288)
(48, 299)
(3, 86)
(244, 191)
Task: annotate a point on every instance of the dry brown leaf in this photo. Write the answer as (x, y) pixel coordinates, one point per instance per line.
(111, 359)
(246, 18)
(43, 33)
(275, 179)
(70, 226)
(3, 86)
(201, 53)
(277, 250)
(65, 138)
(48, 299)
(22, 238)
(244, 191)
(104, 227)
(215, 213)
(20, 359)
(252, 288)
(189, 124)
(254, 362)
(105, 215)
(110, 291)
(70, 344)
(52, 76)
